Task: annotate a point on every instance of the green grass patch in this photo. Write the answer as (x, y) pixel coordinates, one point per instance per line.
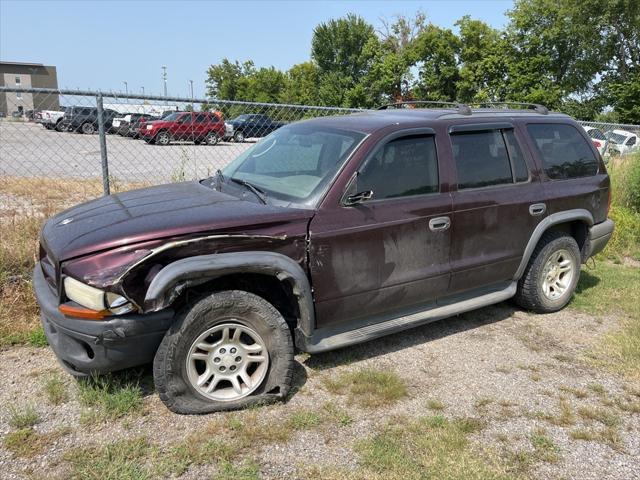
(22, 416)
(110, 396)
(544, 447)
(435, 404)
(610, 288)
(368, 387)
(229, 471)
(430, 447)
(121, 460)
(55, 390)
(304, 419)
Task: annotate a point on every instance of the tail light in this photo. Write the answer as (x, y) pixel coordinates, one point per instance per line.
(597, 143)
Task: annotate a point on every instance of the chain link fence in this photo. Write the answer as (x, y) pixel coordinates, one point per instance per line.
(71, 145)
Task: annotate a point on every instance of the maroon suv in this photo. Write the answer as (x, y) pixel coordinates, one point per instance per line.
(197, 127)
(326, 233)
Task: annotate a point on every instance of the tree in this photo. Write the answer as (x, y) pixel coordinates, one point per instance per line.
(434, 53)
(301, 85)
(338, 50)
(483, 71)
(227, 80)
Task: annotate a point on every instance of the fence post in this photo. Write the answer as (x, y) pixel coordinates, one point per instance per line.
(103, 145)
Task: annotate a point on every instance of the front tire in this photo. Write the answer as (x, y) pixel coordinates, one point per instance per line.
(552, 274)
(231, 350)
(163, 138)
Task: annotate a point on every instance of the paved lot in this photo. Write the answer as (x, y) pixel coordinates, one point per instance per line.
(29, 150)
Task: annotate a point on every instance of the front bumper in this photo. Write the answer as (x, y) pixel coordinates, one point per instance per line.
(599, 236)
(85, 347)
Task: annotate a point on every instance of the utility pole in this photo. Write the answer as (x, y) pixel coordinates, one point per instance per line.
(142, 90)
(126, 87)
(191, 88)
(164, 78)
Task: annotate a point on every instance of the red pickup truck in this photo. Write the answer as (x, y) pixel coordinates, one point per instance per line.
(197, 127)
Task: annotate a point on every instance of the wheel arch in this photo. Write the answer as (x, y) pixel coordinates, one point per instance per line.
(575, 223)
(273, 276)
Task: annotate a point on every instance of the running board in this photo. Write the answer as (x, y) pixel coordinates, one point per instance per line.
(332, 338)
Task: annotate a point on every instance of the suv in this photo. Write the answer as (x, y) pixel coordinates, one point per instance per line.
(197, 127)
(250, 126)
(85, 119)
(129, 124)
(327, 233)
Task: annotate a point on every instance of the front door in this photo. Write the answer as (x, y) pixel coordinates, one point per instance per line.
(184, 127)
(496, 207)
(388, 252)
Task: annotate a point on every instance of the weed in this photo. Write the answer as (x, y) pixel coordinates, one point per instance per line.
(483, 402)
(121, 460)
(576, 392)
(229, 471)
(368, 387)
(543, 446)
(435, 404)
(23, 416)
(604, 416)
(26, 442)
(337, 415)
(112, 396)
(55, 390)
(303, 419)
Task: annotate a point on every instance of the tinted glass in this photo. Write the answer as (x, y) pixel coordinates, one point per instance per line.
(403, 167)
(597, 134)
(481, 159)
(565, 153)
(201, 118)
(518, 163)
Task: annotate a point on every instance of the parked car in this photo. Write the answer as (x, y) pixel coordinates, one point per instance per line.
(196, 127)
(396, 218)
(85, 119)
(250, 126)
(598, 138)
(123, 125)
(139, 123)
(51, 119)
(622, 141)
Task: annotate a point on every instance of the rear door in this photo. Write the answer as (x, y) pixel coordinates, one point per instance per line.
(390, 252)
(496, 207)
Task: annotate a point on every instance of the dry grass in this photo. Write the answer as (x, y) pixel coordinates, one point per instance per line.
(26, 442)
(368, 387)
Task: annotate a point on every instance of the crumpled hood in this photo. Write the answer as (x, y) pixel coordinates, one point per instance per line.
(151, 213)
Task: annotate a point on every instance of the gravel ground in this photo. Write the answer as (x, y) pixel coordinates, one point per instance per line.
(508, 368)
(29, 150)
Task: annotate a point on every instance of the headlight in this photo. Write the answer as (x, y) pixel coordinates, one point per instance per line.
(149, 127)
(94, 298)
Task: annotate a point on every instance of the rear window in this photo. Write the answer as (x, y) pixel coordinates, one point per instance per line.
(564, 152)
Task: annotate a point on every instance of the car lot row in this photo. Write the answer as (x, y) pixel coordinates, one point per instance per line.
(172, 125)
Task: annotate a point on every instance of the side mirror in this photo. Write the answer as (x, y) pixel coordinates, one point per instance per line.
(359, 197)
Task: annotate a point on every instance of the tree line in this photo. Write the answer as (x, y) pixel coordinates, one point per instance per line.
(578, 56)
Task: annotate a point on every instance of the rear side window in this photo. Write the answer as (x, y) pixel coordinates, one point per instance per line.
(564, 152)
(482, 159)
(403, 167)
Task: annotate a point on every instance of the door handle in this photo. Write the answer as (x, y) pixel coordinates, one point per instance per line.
(537, 209)
(438, 224)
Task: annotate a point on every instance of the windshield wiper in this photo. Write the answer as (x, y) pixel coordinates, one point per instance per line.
(258, 193)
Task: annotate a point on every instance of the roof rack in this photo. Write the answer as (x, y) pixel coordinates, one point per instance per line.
(541, 109)
(461, 107)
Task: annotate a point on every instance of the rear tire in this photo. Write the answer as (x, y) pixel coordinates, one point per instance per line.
(87, 128)
(191, 379)
(551, 276)
(212, 138)
(59, 126)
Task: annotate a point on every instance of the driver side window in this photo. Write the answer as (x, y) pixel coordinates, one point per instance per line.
(403, 167)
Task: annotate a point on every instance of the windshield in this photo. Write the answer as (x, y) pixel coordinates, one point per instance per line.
(295, 162)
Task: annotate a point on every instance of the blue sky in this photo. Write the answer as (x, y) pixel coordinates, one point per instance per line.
(100, 44)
